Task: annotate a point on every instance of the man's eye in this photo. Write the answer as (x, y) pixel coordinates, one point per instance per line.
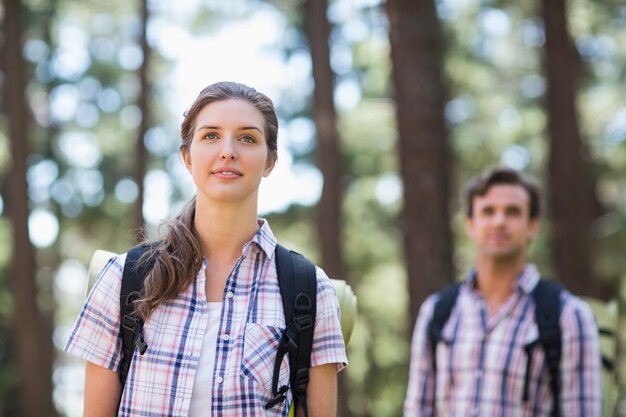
(514, 212)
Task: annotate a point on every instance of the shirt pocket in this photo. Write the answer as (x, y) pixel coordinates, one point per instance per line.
(260, 347)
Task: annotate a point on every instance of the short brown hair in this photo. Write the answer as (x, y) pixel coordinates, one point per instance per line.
(480, 185)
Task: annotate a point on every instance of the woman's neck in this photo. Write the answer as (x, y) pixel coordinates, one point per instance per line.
(223, 229)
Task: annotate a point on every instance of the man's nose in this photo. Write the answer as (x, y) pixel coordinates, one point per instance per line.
(499, 217)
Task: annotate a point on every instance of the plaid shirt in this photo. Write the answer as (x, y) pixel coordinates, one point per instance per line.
(252, 320)
(481, 361)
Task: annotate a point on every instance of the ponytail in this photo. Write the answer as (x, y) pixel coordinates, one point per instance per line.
(177, 260)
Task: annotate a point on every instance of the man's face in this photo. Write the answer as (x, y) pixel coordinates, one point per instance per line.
(500, 224)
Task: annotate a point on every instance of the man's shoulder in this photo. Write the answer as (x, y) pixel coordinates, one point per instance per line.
(570, 303)
(575, 313)
(573, 305)
(428, 306)
(448, 294)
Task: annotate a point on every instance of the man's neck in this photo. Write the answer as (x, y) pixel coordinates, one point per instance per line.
(495, 279)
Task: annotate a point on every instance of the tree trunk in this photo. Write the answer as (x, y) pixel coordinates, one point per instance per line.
(423, 147)
(329, 155)
(144, 106)
(571, 190)
(32, 338)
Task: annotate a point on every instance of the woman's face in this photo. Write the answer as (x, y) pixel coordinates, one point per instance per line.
(228, 154)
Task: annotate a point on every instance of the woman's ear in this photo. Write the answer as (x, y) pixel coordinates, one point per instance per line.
(272, 157)
(184, 153)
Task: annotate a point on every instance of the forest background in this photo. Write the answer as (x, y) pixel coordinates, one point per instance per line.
(386, 109)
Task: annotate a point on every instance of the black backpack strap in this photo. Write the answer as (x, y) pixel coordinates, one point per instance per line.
(297, 280)
(131, 326)
(441, 314)
(547, 296)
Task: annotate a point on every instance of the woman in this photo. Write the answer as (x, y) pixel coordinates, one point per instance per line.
(212, 310)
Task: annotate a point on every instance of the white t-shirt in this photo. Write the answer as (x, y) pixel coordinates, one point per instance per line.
(203, 383)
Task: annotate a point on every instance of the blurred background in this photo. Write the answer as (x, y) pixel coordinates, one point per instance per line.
(386, 109)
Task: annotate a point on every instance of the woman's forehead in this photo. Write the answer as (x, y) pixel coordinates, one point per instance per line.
(230, 112)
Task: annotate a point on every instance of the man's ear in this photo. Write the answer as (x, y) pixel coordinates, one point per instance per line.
(533, 229)
(469, 226)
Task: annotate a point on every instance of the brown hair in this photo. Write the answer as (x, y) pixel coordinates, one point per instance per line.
(228, 90)
(480, 185)
(177, 256)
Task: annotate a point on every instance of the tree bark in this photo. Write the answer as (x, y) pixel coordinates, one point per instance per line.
(329, 153)
(144, 106)
(328, 156)
(32, 338)
(423, 146)
(571, 195)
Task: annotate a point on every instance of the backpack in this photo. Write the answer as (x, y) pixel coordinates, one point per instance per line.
(606, 314)
(547, 313)
(298, 286)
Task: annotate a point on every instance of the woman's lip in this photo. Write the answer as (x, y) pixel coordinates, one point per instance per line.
(227, 174)
(227, 171)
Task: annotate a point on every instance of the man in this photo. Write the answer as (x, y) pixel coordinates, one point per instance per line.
(489, 358)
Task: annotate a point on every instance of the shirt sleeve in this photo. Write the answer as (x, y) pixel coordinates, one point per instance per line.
(96, 334)
(581, 367)
(421, 387)
(328, 345)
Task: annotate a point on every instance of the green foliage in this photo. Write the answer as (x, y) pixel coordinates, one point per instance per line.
(493, 70)
(294, 229)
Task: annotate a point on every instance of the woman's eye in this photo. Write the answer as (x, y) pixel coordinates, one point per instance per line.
(249, 139)
(210, 135)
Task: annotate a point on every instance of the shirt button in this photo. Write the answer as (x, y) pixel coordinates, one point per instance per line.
(220, 379)
(230, 294)
(226, 337)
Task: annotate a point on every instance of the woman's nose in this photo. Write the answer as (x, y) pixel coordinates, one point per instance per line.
(228, 152)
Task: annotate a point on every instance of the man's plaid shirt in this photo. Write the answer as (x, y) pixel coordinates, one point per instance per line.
(482, 360)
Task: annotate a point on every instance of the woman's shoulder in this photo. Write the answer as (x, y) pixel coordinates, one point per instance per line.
(105, 274)
(322, 277)
(330, 285)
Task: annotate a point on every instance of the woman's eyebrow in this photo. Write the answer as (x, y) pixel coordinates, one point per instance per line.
(251, 128)
(203, 127)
